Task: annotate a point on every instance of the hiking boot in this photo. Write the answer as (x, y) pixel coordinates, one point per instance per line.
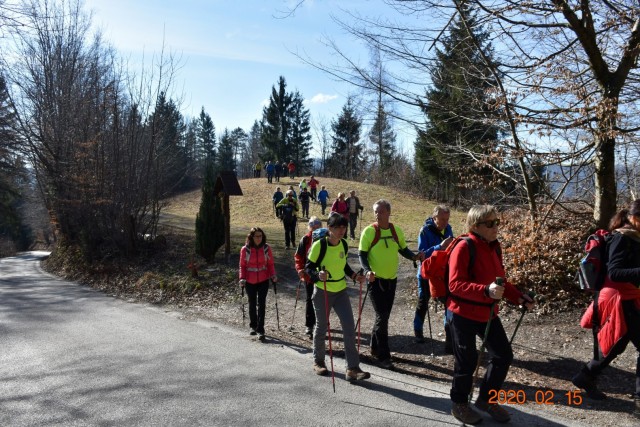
(252, 332)
(309, 331)
(357, 374)
(261, 337)
(587, 382)
(496, 411)
(386, 364)
(465, 413)
(320, 368)
(419, 337)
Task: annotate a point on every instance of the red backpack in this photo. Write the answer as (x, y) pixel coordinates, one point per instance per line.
(376, 238)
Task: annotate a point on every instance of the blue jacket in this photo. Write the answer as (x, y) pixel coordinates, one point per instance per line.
(430, 238)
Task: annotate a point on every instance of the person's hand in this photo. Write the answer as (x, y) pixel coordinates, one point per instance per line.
(243, 282)
(445, 243)
(274, 278)
(301, 274)
(322, 275)
(496, 291)
(527, 302)
(360, 278)
(370, 276)
(419, 256)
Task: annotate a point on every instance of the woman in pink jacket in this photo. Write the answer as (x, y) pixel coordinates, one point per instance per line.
(256, 267)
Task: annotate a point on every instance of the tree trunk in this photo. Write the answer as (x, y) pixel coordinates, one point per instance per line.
(605, 182)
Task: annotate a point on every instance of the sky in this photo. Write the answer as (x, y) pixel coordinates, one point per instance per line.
(233, 51)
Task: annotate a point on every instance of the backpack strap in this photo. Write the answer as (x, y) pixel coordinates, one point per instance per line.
(472, 261)
(376, 238)
(323, 249)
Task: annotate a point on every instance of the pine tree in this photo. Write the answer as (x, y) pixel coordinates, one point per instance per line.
(300, 136)
(460, 119)
(275, 124)
(226, 161)
(210, 219)
(206, 137)
(345, 161)
(383, 138)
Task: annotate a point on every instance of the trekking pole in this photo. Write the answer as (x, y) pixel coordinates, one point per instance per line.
(295, 305)
(327, 311)
(275, 291)
(362, 307)
(499, 281)
(242, 304)
(524, 311)
(430, 332)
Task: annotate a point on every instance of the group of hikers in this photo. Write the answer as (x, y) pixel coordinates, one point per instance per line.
(274, 170)
(477, 283)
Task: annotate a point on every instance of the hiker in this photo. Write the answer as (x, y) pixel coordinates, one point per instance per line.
(436, 234)
(277, 196)
(353, 204)
(340, 206)
(332, 270)
(270, 170)
(256, 268)
(292, 169)
(301, 259)
(378, 251)
(295, 196)
(288, 215)
(313, 186)
(258, 169)
(303, 184)
(323, 196)
(276, 170)
(618, 302)
(473, 294)
(304, 198)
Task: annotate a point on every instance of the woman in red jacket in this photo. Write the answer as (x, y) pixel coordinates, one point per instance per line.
(340, 206)
(473, 299)
(256, 267)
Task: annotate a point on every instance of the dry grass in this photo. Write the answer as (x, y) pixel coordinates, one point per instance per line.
(254, 208)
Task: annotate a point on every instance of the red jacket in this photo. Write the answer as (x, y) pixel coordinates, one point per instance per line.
(300, 256)
(612, 324)
(473, 287)
(341, 207)
(313, 183)
(257, 269)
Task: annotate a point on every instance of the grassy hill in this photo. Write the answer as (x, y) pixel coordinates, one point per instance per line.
(254, 208)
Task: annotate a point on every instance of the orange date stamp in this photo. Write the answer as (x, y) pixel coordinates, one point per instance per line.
(539, 397)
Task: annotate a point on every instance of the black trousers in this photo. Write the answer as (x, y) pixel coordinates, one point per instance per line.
(632, 319)
(353, 222)
(257, 295)
(464, 333)
(310, 314)
(383, 293)
(290, 232)
(305, 209)
(313, 193)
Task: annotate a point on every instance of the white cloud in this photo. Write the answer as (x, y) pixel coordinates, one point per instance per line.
(322, 98)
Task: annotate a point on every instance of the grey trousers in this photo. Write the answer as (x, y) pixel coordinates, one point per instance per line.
(340, 303)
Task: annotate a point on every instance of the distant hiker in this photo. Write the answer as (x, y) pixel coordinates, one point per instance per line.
(380, 244)
(340, 206)
(289, 217)
(313, 186)
(256, 268)
(258, 169)
(323, 196)
(270, 170)
(355, 207)
(473, 300)
(301, 259)
(303, 184)
(292, 169)
(295, 196)
(435, 235)
(332, 271)
(277, 196)
(618, 302)
(304, 198)
(277, 170)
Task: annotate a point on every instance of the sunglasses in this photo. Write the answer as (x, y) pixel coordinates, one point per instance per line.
(490, 224)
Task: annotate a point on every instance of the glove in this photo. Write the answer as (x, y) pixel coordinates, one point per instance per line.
(274, 278)
(495, 291)
(243, 282)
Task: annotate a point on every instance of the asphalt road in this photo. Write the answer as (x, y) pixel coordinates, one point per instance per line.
(72, 356)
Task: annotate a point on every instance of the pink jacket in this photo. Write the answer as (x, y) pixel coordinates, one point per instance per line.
(255, 267)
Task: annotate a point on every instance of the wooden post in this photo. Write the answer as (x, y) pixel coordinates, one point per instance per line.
(227, 225)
